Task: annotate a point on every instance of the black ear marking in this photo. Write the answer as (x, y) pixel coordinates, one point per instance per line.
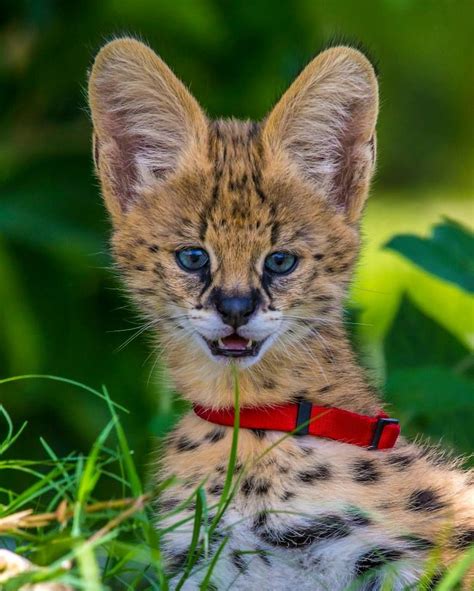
(348, 40)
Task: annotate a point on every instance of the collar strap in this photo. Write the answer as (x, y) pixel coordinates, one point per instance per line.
(373, 432)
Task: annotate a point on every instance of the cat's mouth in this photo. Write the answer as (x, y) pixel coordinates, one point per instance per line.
(235, 346)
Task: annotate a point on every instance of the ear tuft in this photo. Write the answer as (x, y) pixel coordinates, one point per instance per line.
(325, 123)
(144, 120)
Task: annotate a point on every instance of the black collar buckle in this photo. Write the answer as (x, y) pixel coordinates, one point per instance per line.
(303, 418)
(382, 422)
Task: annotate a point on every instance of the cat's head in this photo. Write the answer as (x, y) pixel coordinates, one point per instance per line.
(236, 239)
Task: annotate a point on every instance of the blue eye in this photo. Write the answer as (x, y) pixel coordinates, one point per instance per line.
(280, 263)
(192, 259)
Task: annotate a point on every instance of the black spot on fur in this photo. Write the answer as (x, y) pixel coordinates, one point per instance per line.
(251, 485)
(432, 583)
(215, 435)
(139, 268)
(258, 189)
(247, 486)
(216, 489)
(366, 472)
(185, 444)
(287, 495)
(264, 557)
(357, 518)
(238, 561)
(260, 520)
(158, 270)
(178, 560)
(168, 504)
(259, 433)
(329, 527)
(400, 460)
(301, 395)
(425, 500)
(375, 559)
(323, 298)
(321, 472)
(153, 248)
(318, 256)
(144, 291)
(326, 388)
(463, 539)
(262, 487)
(418, 543)
(275, 232)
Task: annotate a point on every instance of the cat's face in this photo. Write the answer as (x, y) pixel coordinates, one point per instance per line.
(237, 239)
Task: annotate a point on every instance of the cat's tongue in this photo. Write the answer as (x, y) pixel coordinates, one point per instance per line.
(235, 343)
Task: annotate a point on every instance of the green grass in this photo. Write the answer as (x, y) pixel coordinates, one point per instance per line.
(62, 522)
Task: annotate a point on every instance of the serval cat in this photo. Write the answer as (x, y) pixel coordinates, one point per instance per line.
(238, 240)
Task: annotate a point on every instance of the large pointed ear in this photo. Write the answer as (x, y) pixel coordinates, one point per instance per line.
(145, 121)
(325, 124)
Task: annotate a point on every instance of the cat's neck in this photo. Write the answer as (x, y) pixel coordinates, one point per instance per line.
(321, 370)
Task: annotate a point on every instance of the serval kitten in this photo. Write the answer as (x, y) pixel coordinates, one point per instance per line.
(238, 240)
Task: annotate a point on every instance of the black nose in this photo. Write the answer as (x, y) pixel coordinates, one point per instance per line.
(235, 310)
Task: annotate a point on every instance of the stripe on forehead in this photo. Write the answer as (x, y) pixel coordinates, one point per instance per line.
(235, 151)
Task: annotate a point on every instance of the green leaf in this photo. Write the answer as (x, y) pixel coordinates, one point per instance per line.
(434, 401)
(448, 253)
(416, 339)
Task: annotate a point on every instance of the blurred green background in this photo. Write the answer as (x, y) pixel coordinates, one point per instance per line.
(61, 308)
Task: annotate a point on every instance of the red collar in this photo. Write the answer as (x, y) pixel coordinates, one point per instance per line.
(374, 432)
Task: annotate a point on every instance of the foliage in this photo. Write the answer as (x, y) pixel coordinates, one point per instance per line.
(449, 253)
(61, 310)
(430, 373)
(77, 539)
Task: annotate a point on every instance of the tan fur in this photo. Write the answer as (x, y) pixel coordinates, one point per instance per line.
(296, 182)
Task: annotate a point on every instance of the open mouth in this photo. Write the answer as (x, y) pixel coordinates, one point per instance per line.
(234, 346)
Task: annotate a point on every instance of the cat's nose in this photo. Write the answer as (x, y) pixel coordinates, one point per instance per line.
(236, 310)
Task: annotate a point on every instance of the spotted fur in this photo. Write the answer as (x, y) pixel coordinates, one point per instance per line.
(310, 513)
